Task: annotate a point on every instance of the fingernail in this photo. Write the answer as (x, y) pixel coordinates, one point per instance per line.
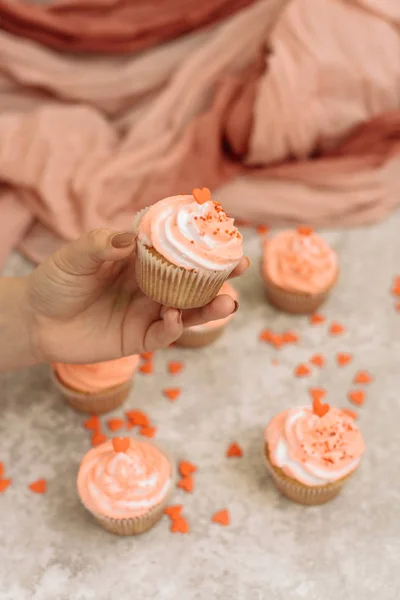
(236, 307)
(179, 317)
(248, 262)
(122, 240)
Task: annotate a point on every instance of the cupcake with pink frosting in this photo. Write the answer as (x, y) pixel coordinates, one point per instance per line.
(187, 246)
(97, 388)
(312, 451)
(125, 484)
(299, 269)
(207, 333)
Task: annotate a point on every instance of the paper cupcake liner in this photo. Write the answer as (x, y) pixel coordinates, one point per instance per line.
(170, 284)
(293, 302)
(196, 339)
(94, 404)
(174, 286)
(143, 523)
(299, 492)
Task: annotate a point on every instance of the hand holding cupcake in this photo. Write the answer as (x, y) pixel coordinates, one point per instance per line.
(186, 248)
(299, 270)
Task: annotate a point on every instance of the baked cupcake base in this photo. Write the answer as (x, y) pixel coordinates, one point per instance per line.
(196, 339)
(293, 302)
(94, 404)
(299, 492)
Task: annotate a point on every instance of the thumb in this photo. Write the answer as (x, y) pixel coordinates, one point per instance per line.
(89, 252)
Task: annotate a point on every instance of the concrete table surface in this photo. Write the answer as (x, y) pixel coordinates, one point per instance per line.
(273, 549)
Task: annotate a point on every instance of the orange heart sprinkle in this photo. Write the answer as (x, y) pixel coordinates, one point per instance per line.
(357, 397)
(121, 444)
(98, 438)
(39, 486)
(93, 423)
(186, 468)
(149, 432)
(317, 319)
(302, 370)
(343, 358)
(115, 424)
(201, 195)
(266, 335)
(350, 413)
(234, 450)
(336, 328)
(146, 355)
(222, 517)
(320, 409)
(318, 360)
(305, 230)
(172, 393)
(174, 511)
(4, 483)
(317, 393)
(179, 525)
(262, 229)
(396, 286)
(175, 367)
(137, 417)
(363, 377)
(289, 337)
(146, 368)
(186, 483)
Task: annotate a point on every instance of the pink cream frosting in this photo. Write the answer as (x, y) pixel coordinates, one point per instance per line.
(98, 376)
(299, 262)
(192, 235)
(311, 449)
(229, 291)
(124, 485)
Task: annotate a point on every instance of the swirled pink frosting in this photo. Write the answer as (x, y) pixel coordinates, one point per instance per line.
(299, 262)
(98, 376)
(192, 235)
(225, 289)
(123, 485)
(311, 449)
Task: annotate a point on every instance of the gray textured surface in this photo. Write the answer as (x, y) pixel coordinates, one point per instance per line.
(350, 548)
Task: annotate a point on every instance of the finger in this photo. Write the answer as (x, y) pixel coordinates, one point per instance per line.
(165, 331)
(241, 268)
(88, 253)
(221, 307)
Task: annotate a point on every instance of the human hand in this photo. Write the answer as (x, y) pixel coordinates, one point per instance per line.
(84, 304)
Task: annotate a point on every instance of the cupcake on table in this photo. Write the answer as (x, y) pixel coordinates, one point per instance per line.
(207, 333)
(187, 246)
(96, 388)
(125, 484)
(311, 452)
(299, 269)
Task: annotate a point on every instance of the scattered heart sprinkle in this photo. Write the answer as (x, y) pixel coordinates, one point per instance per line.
(262, 229)
(234, 450)
(137, 417)
(336, 328)
(179, 525)
(175, 367)
(186, 483)
(39, 486)
(146, 368)
(302, 370)
(93, 423)
(115, 424)
(186, 468)
(317, 360)
(98, 438)
(317, 393)
(121, 444)
(343, 358)
(148, 431)
(317, 319)
(222, 517)
(146, 355)
(357, 397)
(350, 412)
(172, 393)
(4, 484)
(363, 377)
(174, 511)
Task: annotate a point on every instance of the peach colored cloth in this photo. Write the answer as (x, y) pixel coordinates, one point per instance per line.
(124, 485)
(86, 142)
(111, 25)
(299, 262)
(97, 377)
